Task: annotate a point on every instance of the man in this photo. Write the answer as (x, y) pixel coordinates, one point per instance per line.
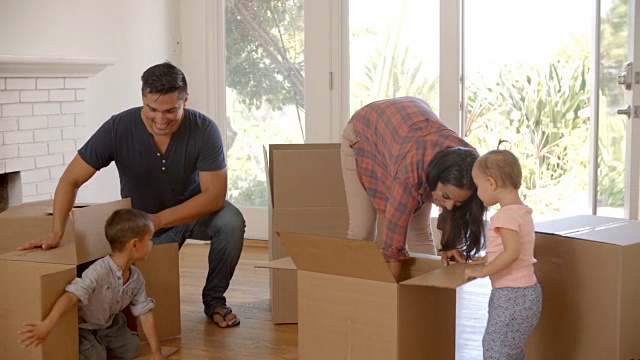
(171, 163)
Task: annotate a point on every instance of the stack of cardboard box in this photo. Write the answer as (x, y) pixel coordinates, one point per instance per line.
(307, 195)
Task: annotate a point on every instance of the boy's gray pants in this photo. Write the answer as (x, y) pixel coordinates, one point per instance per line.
(114, 342)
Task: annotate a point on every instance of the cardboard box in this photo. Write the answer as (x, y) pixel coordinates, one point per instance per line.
(22, 223)
(32, 280)
(161, 271)
(589, 270)
(307, 196)
(351, 307)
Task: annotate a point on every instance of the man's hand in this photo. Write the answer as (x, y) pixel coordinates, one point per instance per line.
(448, 255)
(45, 242)
(35, 333)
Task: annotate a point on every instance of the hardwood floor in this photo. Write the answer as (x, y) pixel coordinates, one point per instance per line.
(256, 337)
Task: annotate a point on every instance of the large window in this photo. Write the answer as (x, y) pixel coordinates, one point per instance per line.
(532, 85)
(525, 73)
(393, 50)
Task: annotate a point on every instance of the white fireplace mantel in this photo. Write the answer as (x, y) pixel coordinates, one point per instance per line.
(12, 66)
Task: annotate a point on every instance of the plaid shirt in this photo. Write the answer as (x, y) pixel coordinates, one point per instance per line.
(397, 138)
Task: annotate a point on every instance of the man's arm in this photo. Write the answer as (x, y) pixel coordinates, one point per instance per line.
(214, 191)
(36, 332)
(77, 173)
(149, 326)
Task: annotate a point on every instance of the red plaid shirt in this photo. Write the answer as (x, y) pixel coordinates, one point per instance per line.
(396, 140)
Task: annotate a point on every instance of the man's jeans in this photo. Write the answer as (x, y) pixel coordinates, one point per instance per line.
(225, 230)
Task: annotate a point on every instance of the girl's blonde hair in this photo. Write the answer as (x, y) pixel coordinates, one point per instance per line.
(503, 166)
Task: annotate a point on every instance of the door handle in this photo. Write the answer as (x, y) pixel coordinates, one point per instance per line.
(624, 78)
(630, 112)
(625, 111)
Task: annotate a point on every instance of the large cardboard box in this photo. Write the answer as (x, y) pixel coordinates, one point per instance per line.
(32, 280)
(589, 270)
(307, 196)
(351, 307)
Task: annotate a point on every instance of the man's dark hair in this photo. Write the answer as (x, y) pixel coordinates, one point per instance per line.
(164, 79)
(124, 225)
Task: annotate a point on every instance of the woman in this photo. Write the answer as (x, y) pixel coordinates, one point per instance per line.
(398, 157)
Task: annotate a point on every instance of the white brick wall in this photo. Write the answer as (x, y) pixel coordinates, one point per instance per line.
(42, 124)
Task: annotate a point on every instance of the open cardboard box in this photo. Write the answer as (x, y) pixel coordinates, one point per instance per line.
(589, 270)
(351, 307)
(306, 193)
(32, 280)
(22, 223)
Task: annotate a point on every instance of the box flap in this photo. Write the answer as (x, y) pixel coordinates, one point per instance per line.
(284, 263)
(88, 223)
(162, 277)
(64, 254)
(568, 225)
(448, 277)
(334, 256)
(622, 233)
(419, 264)
(308, 175)
(607, 230)
(267, 171)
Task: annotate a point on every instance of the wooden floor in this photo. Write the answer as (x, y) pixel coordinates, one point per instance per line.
(256, 337)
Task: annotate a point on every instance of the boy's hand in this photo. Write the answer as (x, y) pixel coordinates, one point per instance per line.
(35, 333)
(157, 356)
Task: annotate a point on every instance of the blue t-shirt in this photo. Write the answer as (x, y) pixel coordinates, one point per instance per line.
(153, 181)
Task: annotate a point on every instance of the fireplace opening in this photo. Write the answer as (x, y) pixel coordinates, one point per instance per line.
(10, 190)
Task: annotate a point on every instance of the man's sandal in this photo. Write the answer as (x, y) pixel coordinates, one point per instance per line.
(225, 312)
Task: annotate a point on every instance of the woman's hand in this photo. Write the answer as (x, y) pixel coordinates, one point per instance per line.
(449, 255)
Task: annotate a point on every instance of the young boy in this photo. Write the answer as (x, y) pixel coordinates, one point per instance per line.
(105, 289)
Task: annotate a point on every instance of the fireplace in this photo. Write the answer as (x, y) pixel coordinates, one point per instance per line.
(42, 122)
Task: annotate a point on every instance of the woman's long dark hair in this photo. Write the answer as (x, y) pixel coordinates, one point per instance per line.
(462, 227)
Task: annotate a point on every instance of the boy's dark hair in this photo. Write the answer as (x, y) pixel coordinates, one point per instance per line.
(164, 79)
(124, 225)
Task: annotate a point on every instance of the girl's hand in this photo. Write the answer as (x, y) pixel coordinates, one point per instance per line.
(479, 260)
(473, 272)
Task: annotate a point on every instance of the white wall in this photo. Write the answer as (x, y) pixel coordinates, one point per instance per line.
(136, 33)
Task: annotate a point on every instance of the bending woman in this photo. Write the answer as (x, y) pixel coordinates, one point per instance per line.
(398, 157)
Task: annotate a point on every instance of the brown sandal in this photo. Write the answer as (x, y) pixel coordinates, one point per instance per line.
(227, 310)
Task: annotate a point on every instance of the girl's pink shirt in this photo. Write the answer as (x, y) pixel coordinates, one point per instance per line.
(519, 219)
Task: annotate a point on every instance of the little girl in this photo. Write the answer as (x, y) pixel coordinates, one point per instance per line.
(516, 297)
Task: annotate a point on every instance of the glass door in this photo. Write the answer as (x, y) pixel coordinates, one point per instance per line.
(264, 96)
(630, 79)
(552, 97)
